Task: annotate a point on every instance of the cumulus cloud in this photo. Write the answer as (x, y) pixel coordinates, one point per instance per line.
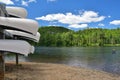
(72, 19)
(69, 18)
(115, 22)
(26, 3)
(78, 25)
(100, 24)
(7, 1)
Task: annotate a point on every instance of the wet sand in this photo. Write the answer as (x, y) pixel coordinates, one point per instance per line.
(47, 71)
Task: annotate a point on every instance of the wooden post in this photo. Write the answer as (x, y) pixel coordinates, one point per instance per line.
(17, 59)
(17, 55)
(2, 66)
(3, 13)
(2, 63)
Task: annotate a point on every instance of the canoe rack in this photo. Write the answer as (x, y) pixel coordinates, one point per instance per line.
(15, 32)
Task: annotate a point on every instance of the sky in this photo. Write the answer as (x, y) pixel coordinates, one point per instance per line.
(72, 14)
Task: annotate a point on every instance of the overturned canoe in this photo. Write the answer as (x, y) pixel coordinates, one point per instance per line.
(16, 46)
(16, 12)
(26, 25)
(24, 35)
(32, 49)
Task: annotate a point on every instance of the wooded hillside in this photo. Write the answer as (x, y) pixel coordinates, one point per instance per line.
(59, 36)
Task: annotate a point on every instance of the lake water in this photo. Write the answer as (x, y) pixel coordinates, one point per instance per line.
(100, 58)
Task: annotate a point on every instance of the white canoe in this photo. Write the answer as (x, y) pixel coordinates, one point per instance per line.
(25, 35)
(32, 49)
(17, 11)
(26, 25)
(16, 46)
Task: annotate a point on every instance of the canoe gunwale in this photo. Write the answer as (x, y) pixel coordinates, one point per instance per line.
(13, 28)
(24, 35)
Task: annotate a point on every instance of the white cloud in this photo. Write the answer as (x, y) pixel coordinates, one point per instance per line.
(115, 22)
(7, 1)
(26, 3)
(78, 26)
(54, 25)
(51, 0)
(69, 18)
(72, 19)
(100, 24)
(32, 1)
(93, 27)
(109, 16)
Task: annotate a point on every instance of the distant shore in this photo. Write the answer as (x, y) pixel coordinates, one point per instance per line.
(47, 71)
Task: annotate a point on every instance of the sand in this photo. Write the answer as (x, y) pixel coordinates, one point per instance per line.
(48, 71)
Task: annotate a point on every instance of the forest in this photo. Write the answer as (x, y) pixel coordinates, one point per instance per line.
(54, 36)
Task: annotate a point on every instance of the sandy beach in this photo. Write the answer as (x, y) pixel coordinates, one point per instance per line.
(47, 71)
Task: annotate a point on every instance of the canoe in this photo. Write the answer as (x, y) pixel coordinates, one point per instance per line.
(16, 12)
(25, 25)
(16, 46)
(7, 34)
(24, 35)
(32, 49)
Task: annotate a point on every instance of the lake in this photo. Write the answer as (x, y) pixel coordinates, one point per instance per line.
(100, 58)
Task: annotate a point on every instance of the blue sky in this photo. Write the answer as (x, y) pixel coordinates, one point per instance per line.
(72, 14)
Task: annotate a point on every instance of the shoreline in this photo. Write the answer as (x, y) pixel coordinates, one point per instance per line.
(50, 71)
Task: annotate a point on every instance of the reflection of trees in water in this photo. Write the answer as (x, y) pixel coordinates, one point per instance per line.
(48, 55)
(112, 64)
(97, 58)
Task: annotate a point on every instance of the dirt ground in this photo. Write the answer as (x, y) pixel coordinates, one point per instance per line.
(47, 71)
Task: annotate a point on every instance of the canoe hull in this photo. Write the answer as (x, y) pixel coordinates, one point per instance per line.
(25, 25)
(17, 11)
(16, 46)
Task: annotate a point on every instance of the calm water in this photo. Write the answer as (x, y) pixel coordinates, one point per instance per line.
(100, 58)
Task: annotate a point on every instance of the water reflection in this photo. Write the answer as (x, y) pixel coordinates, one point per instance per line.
(101, 58)
(112, 63)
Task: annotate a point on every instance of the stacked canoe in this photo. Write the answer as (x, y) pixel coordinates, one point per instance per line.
(15, 25)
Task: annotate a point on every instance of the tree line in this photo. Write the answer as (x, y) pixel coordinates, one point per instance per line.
(63, 37)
